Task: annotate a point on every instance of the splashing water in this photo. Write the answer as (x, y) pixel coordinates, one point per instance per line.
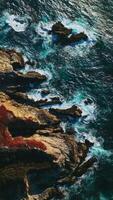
(19, 24)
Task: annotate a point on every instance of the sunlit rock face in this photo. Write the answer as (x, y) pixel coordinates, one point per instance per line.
(31, 137)
(10, 77)
(44, 139)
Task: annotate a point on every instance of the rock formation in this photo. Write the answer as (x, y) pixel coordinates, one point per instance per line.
(31, 138)
(65, 36)
(10, 61)
(73, 111)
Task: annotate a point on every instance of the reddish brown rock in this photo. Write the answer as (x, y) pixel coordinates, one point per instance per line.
(40, 117)
(31, 139)
(61, 147)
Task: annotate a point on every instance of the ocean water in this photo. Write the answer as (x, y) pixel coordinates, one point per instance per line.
(74, 73)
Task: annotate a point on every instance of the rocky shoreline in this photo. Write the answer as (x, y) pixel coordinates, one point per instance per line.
(32, 140)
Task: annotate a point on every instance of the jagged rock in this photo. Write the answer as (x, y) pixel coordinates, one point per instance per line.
(23, 98)
(18, 156)
(84, 166)
(73, 111)
(60, 30)
(65, 35)
(16, 78)
(48, 194)
(27, 116)
(56, 100)
(33, 76)
(47, 148)
(65, 152)
(31, 139)
(75, 38)
(11, 60)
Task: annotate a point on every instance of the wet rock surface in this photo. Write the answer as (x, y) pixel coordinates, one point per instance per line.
(73, 111)
(23, 98)
(32, 142)
(65, 36)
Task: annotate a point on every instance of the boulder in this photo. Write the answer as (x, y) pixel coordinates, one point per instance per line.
(44, 147)
(59, 149)
(88, 101)
(74, 38)
(45, 92)
(11, 58)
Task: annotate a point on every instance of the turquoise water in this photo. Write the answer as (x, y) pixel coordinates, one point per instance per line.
(74, 73)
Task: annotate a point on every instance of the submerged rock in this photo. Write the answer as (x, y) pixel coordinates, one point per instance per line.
(45, 92)
(65, 152)
(65, 36)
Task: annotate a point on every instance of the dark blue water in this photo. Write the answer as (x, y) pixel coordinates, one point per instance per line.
(74, 73)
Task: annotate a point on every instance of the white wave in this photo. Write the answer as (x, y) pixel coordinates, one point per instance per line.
(77, 26)
(35, 94)
(43, 27)
(19, 24)
(28, 68)
(97, 149)
(88, 111)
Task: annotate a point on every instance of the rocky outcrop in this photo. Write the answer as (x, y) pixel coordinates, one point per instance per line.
(60, 30)
(46, 148)
(10, 61)
(26, 115)
(65, 36)
(23, 98)
(14, 78)
(31, 138)
(73, 111)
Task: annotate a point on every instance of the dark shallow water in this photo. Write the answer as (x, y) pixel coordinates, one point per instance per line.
(75, 73)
